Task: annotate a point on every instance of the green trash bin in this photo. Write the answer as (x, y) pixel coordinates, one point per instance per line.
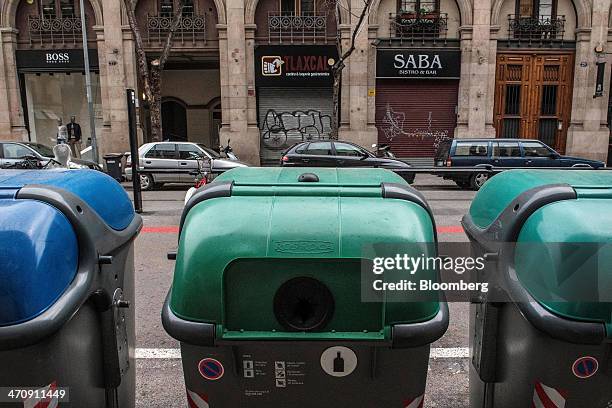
(545, 339)
(266, 298)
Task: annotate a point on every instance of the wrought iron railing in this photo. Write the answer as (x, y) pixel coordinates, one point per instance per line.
(415, 26)
(536, 29)
(292, 28)
(54, 31)
(191, 29)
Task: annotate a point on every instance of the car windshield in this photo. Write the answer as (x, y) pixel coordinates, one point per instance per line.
(41, 149)
(210, 151)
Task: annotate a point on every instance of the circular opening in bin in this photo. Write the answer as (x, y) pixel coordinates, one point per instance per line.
(303, 304)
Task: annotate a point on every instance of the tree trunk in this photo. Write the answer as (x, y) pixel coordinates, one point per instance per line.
(155, 105)
(151, 76)
(335, 125)
(340, 64)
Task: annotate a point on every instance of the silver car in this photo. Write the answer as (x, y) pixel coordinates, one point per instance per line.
(12, 152)
(174, 162)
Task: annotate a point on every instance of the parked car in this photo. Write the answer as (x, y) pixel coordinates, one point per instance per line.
(175, 162)
(12, 152)
(519, 153)
(339, 154)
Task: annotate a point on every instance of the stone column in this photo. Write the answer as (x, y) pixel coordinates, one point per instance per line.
(478, 60)
(588, 135)
(356, 78)
(114, 137)
(244, 136)
(12, 125)
(345, 90)
(371, 109)
(463, 100)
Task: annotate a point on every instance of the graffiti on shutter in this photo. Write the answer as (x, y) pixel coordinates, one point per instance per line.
(393, 126)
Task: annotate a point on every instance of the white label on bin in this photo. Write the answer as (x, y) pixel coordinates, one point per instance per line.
(338, 361)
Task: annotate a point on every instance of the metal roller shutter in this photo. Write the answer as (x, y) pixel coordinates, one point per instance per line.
(290, 115)
(413, 116)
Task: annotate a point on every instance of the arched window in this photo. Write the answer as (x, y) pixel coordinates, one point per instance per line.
(542, 9)
(297, 7)
(418, 6)
(57, 8)
(167, 7)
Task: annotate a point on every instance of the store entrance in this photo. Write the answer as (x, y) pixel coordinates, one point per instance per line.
(174, 121)
(49, 97)
(533, 97)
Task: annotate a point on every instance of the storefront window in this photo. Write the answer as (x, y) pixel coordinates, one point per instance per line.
(418, 6)
(59, 96)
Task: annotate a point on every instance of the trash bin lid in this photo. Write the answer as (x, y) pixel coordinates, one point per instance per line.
(102, 193)
(563, 254)
(499, 191)
(38, 258)
(235, 252)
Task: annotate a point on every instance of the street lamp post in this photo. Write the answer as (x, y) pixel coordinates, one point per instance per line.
(92, 119)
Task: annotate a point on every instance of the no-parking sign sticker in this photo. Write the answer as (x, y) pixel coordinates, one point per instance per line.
(211, 369)
(585, 367)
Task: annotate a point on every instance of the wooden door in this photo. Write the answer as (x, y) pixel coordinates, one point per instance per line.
(533, 97)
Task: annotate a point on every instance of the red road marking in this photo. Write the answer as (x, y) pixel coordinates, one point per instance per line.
(450, 229)
(168, 229)
(174, 229)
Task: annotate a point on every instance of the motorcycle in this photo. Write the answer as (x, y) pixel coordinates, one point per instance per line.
(383, 150)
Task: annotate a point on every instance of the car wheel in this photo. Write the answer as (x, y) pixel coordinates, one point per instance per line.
(477, 180)
(146, 182)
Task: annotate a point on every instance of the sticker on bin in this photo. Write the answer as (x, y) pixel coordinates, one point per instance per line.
(211, 369)
(197, 399)
(585, 367)
(41, 399)
(338, 361)
(415, 402)
(548, 397)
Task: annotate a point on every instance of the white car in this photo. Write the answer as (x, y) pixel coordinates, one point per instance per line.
(175, 162)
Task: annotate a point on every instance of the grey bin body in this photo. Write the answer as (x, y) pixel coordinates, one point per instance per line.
(527, 350)
(84, 339)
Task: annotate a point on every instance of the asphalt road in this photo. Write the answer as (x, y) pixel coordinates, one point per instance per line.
(159, 371)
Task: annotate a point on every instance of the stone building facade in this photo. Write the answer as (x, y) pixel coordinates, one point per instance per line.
(257, 72)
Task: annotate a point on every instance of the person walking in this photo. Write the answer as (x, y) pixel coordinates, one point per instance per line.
(74, 137)
(62, 132)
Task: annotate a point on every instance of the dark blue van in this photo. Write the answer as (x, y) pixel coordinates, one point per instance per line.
(519, 153)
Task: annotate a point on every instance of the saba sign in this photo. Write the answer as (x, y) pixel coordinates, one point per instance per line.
(418, 63)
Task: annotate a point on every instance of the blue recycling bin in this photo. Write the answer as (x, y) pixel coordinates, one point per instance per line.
(66, 289)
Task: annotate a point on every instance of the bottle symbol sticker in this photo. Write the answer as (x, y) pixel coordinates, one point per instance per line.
(338, 361)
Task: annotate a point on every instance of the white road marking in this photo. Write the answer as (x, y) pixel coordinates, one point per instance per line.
(449, 352)
(174, 353)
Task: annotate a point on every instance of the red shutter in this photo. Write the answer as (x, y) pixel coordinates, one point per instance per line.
(403, 119)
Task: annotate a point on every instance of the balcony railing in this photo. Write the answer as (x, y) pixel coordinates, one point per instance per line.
(54, 31)
(191, 29)
(536, 29)
(415, 26)
(292, 28)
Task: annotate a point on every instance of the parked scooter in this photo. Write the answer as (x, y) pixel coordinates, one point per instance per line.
(228, 151)
(383, 150)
